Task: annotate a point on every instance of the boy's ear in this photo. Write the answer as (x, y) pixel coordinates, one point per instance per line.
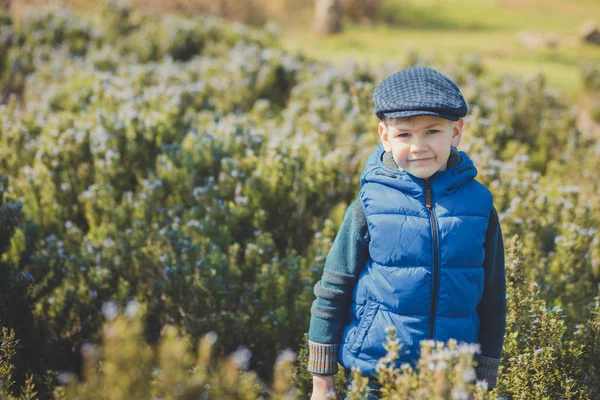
(384, 136)
(457, 132)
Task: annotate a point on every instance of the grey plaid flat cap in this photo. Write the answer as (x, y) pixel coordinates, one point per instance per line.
(418, 91)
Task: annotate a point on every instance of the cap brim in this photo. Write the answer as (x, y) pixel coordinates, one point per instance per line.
(414, 113)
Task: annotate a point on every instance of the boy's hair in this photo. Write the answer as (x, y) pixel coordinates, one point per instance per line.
(388, 121)
(393, 121)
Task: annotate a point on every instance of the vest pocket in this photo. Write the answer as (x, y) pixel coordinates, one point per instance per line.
(364, 325)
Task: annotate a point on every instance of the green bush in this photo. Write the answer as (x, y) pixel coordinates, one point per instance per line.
(195, 167)
(8, 349)
(590, 75)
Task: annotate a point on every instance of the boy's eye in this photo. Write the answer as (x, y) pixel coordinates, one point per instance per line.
(403, 135)
(432, 131)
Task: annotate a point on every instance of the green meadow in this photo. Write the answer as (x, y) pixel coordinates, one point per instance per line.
(450, 29)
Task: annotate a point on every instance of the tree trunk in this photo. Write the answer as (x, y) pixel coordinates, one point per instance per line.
(327, 16)
(5, 5)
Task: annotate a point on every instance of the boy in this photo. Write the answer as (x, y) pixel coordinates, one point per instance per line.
(420, 249)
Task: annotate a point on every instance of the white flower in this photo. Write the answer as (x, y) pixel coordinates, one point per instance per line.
(286, 356)
(110, 310)
(468, 375)
(64, 377)
(211, 337)
(241, 357)
(460, 394)
(132, 309)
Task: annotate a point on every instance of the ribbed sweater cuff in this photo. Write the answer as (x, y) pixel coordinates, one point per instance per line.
(487, 369)
(322, 358)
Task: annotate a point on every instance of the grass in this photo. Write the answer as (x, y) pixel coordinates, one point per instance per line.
(450, 29)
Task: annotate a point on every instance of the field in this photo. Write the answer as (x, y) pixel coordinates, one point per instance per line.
(171, 186)
(450, 30)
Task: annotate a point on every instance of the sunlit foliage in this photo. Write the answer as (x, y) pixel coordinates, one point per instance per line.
(196, 169)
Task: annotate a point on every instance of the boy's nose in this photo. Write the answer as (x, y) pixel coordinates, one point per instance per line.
(418, 147)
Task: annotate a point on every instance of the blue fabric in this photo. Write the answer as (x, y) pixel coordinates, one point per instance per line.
(395, 286)
(418, 91)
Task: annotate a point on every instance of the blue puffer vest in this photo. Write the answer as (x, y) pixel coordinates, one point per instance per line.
(425, 272)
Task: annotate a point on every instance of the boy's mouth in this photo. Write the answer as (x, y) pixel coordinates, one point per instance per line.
(421, 160)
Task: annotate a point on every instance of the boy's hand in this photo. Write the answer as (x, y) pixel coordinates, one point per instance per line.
(323, 387)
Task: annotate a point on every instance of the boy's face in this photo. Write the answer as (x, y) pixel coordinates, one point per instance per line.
(421, 145)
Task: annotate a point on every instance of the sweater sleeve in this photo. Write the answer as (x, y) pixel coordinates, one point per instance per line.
(492, 308)
(334, 291)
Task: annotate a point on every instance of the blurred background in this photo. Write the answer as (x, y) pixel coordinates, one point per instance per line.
(519, 37)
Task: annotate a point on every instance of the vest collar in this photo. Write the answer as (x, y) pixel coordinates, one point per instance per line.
(443, 182)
